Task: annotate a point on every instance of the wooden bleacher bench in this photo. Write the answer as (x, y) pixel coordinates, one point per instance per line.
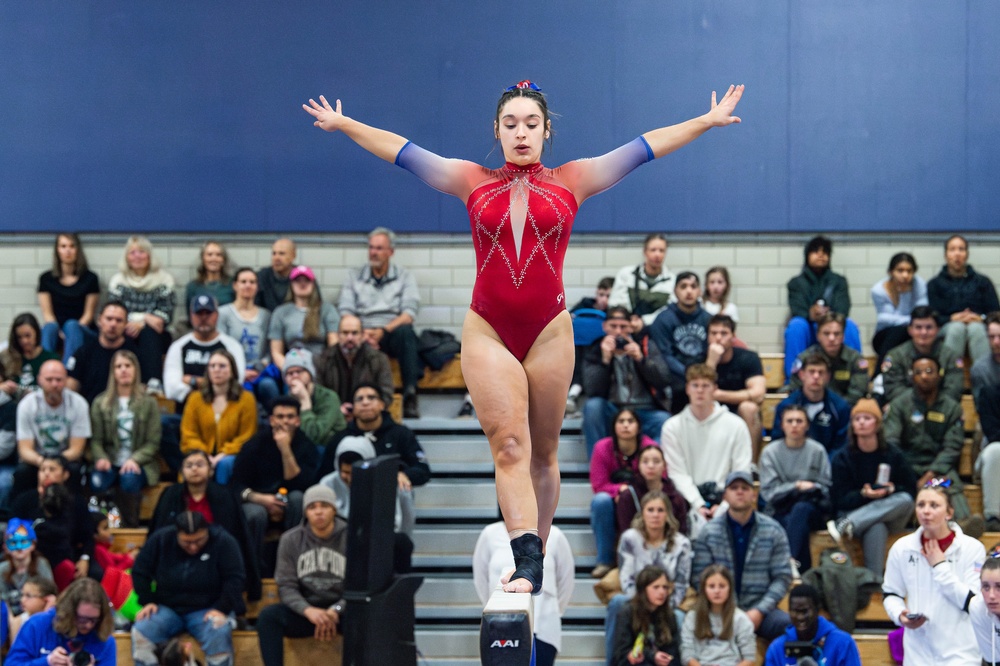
(269, 595)
(124, 539)
(246, 650)
(820, 541)
(448, 378)
(771, 401)
(150, 496)
(874, 649)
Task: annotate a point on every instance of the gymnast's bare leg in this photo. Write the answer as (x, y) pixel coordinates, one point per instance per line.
(520, 406)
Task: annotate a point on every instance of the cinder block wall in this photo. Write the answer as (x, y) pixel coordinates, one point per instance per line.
(444, 266)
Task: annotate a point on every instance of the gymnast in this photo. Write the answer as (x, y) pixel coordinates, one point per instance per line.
(517, 340)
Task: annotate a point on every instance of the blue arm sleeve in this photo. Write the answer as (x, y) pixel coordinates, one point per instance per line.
(600, 173)
(450, 176)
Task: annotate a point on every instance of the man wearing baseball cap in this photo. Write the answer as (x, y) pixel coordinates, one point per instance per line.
(754, 547)
(310, 573)
(187, 357)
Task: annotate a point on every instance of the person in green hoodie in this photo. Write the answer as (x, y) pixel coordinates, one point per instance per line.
(811, 294)
(310, 573)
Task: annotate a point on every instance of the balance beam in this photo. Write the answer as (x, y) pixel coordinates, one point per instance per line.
(506, 633)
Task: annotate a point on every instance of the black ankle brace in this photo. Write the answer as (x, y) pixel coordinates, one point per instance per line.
(528, 557)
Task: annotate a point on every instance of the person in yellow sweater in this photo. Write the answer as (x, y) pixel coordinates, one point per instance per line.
(220, 416)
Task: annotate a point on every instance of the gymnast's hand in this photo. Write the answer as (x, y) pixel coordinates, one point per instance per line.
(721, 113)
(330, 119)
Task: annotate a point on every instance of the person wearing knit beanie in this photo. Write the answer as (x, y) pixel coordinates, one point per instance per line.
(868, 406)
(300, 358)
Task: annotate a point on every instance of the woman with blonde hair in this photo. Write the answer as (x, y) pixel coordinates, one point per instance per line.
(147, 292)
(81, 622)
(220, 417)
(653, 540)
(125, 443)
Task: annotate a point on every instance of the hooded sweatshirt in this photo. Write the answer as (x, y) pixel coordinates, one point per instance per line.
(310, 571)
(809, 286)
(362, 446)
(700, 451)
(681, 337)
(837, 647)
(948, 294)
(165, 574)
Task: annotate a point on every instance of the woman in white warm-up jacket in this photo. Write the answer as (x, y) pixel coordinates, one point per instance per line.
(930, 578)
(984, 611)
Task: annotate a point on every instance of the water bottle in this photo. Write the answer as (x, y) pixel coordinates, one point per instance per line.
(282, 495)
(114, 517)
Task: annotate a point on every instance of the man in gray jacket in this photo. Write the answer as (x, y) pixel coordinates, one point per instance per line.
(310, 573)
(754, 547)
(385, 297)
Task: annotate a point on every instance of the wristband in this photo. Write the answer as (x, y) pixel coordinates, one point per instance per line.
(85, 557)
(245, 495)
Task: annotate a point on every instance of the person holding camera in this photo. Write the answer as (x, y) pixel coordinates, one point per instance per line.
(811, 639)
(77, 632)
(619, 372)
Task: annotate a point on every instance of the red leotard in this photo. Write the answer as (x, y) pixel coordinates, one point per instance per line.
(521, 219)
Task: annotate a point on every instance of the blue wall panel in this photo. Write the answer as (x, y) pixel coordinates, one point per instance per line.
(184, 116)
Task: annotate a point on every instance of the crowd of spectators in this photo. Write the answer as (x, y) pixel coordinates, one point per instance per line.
(274, 389)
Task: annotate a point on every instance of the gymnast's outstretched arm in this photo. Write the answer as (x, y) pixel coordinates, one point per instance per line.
(668, 139)
(378, 142)
(592, 176)
(451, 176)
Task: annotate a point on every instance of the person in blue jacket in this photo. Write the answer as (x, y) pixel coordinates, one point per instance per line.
(80, 622)
(830, 646)
(829, 414)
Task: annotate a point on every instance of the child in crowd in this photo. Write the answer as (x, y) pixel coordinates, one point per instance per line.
(178, 652)
(62, 523)
(716, 298)
(38, 594)
(102, 546)
(646, 630)
(21, 562)
(716, 631)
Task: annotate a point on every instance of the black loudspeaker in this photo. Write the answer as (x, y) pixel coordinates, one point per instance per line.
(379, 617)
(369, 527)
(378, 628)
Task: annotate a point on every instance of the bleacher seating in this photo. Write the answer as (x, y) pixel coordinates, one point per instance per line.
(462, 499)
